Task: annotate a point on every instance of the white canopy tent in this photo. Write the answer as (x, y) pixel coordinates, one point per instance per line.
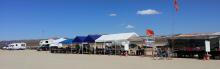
(57, 42)
(121, 38)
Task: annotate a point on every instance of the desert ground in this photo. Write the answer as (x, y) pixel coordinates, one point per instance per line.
(31, 59)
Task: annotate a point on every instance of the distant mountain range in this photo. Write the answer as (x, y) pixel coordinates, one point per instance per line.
(30, 43)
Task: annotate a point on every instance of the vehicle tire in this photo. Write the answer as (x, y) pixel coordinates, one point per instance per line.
(52, 51)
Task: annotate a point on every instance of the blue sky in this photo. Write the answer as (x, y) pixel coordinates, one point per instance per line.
(35, 19)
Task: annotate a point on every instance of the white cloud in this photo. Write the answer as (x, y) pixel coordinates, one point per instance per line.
(129, 27)
(148, 12)
(113, 14)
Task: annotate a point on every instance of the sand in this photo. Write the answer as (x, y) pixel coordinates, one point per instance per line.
(31, 59)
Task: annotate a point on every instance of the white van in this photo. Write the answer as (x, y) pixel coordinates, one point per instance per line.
(15, 46)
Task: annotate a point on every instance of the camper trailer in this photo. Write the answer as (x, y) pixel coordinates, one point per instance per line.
(15, 46)
(45, 44)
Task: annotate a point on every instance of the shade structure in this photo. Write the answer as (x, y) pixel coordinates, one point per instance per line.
(91, 38)
(57, 42)
(68, 41)
(79, 39)
(119, 37)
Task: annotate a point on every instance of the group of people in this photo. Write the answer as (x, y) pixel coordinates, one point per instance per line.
(162, 53)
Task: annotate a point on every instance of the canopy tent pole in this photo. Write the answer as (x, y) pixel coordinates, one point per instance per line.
(101, 49)
(82, 48)
(115, 47)
(219, 43)
(78, 48)
(154, 47)
(104, 48)
(120, 53)
(71, 50)
(89, 48)
(95, 48)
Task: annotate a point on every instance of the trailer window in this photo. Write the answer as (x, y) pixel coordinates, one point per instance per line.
(22, 44)
(46, 42)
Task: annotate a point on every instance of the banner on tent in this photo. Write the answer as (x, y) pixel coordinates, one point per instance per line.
(207, 46)
(148, 42)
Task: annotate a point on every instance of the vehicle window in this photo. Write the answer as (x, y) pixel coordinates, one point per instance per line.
(46, 42)
(22, 44)
(150, 39)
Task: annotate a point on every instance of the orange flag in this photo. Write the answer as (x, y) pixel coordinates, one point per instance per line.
(150, 32)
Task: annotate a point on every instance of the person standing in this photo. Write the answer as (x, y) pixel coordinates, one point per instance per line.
(159, 53)
(155, 53)
(168, 54)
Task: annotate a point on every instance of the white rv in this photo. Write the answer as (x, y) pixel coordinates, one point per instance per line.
(45, 45)
(46, 42)
(52, 42)
(15, 46)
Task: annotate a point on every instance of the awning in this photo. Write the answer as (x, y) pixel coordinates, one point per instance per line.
(91, 38)
(59, 40)
(119, 37)
(68, 41)
(79, 39)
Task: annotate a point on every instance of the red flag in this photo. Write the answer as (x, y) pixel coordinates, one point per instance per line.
(150, 32)
(176, 5)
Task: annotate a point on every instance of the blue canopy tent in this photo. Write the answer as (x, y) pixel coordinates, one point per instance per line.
(79, 39)
(68, 41)
(91, 38)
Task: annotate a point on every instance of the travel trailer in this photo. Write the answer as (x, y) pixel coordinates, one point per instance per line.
(15, 46)
(45, 44)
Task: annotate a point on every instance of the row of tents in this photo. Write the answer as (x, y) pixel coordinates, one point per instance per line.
(104, 38)
(120, 41)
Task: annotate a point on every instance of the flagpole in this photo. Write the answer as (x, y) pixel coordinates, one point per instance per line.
(172, 34)
(173, 31)
(176, 6)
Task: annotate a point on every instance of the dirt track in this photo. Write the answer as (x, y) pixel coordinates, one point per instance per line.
(30, 59)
